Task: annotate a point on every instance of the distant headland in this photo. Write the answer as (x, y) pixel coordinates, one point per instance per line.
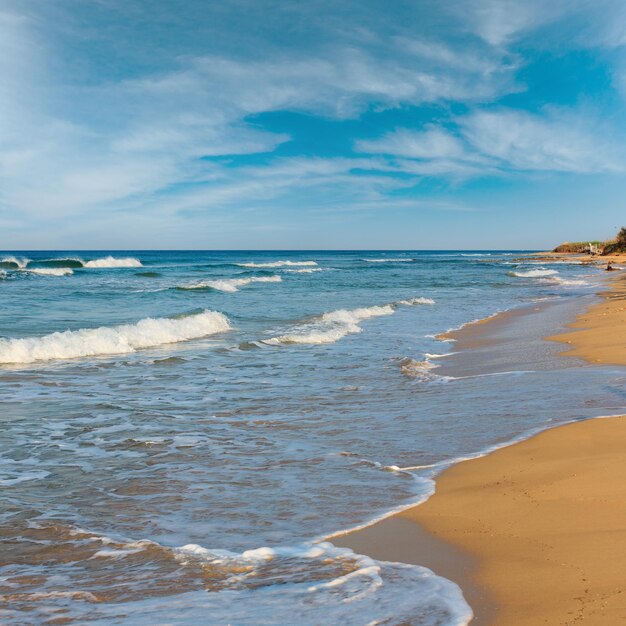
(599, 248)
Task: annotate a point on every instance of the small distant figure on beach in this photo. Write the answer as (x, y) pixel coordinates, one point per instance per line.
(609, 267)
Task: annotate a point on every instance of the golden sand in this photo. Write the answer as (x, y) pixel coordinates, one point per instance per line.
(534, 533)
(599, 334)
(546, 519)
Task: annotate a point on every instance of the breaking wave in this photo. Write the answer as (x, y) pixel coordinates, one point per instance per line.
(567, 282)
(533, 273)
(550, 277)
(110, 261)
(402, 260)
(330, 327)
(231, 284)
(279, 264)
(14, 262)
(103, 341)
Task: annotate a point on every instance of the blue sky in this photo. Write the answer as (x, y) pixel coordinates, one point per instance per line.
(344, 124)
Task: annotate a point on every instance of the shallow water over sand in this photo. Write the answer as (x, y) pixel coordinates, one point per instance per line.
(182, 469)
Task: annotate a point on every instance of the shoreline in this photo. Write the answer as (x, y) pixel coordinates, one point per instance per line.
(583, 258)
(454, 532)
(598, 335)
(541, 519)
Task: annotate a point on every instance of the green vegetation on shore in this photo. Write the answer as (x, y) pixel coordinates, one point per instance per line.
(613, 246)
(618, 245)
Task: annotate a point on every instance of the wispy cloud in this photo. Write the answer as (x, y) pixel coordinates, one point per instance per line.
(431, 143)
(493, 141)
(166, 121)
(560, 141)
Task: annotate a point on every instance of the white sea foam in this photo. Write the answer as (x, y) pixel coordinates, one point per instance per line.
(231, 284)
(318, 582)
(567, 282)
(50, 271)
(66, 259)
(102, 341)
(330, 327)
(399, 260)
(534, 273)
(21, 262)
(417, 369)
(279, 264)
(413, 301)
(123, 549)
(348, 587)
(109, 261)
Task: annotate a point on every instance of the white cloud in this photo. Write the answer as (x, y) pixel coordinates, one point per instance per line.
(560, 141)
(434, 152)
(498, 21)
(495, 142)
(550, 24)
(338, 82)
(432, 143)
(303, 181)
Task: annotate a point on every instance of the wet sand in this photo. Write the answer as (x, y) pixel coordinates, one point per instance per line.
(534, 533)
(599, 334)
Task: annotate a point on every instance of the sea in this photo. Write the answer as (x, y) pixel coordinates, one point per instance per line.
(183, 434)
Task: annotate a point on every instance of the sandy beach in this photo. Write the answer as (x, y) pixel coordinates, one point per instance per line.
(599, 334)
(532, 532)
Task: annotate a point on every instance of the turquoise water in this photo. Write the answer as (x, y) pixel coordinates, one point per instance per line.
(182, 432)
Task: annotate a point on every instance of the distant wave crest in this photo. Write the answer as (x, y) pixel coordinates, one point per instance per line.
(566, 282)
(111, 261)
(14, 262)
(104, 341)
(533, 273)
(279, 264)
(230, 285)
(306, 270)
(400, 260)
(73, 262)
